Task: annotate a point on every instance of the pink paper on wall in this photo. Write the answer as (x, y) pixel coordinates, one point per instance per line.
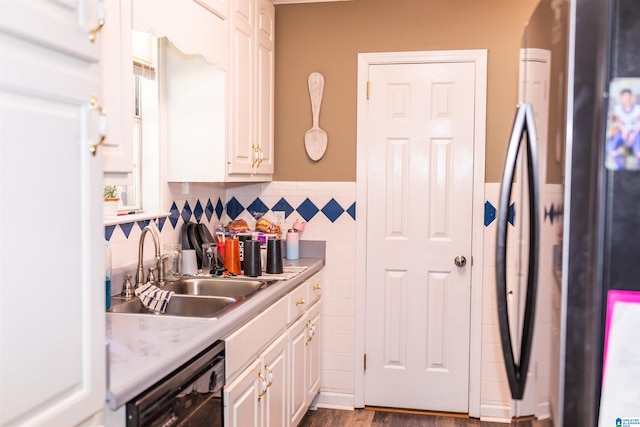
(614, 297)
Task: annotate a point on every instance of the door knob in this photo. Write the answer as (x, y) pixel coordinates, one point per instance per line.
(460, 261)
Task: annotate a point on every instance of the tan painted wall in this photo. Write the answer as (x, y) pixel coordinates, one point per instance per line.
(327, 37)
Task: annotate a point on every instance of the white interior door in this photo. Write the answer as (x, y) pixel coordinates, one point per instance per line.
(420, 137)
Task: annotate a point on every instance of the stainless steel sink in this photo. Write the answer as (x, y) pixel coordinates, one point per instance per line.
(182, 305)
(216, 286)
(204, 297)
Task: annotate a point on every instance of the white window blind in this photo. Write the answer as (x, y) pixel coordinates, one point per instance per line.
(145, 55)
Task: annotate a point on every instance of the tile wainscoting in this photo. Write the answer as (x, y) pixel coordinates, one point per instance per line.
(330, 213)
(495, 395)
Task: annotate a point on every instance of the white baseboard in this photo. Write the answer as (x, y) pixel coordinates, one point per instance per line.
(544, 410)
(344, 401)
(495, 413)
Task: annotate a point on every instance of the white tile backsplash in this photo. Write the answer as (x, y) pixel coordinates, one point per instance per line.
(338, 339)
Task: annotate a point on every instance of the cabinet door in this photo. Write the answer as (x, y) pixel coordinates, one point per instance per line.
(52, 328)
(264, 81)
(297, 354)
(251, 94)
(242, 86)
(241, 405)
(275, 364)
(313, 351)
(117, 92)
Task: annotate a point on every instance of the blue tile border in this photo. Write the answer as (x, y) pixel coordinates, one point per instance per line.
(174, 215)
(283, 206)
(108, 231)
(126, 228)
(489, 213)
(352, 210)
(512, 214)
(332, 210)
(198, 211)
(554, 213)
(219, 208)
(186, 212)
(257, 208)
(208, 210)
(234, 208)
(308, 210)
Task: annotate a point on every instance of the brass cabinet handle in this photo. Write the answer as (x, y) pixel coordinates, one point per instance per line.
(317, 287)
(300, 301)
(311, 328)
(254, 157)
(263, 385)
(101, 15)
(260, 156)
(102, 123)
(269, 376)
(257, 156)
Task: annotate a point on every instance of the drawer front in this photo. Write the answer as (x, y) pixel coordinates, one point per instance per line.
(298, 302)
(314, 286)
(243, 345)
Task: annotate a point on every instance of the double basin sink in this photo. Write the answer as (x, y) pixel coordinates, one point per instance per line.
(204, 297)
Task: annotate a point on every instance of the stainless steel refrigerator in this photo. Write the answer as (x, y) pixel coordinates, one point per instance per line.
(559, 140)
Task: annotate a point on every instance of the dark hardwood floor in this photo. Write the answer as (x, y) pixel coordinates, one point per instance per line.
(381, 417)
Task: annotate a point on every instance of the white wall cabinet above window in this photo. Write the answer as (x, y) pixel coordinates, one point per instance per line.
(219, 7)
(304, 1)
(220, 129)
(195, 27)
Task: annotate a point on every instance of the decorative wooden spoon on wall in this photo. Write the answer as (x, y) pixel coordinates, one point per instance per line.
(315, 140)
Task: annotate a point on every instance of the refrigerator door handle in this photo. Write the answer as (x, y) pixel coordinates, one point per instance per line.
(517, 372)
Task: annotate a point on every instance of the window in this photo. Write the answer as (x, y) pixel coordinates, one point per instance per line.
(145, 113)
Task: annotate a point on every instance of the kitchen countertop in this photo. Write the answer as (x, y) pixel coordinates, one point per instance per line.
(144, 348)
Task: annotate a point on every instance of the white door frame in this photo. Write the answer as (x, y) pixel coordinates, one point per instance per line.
(479, 58)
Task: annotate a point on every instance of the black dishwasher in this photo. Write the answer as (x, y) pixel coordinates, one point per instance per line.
(190, 396)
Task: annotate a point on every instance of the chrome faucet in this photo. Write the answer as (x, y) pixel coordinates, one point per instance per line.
(158, 258)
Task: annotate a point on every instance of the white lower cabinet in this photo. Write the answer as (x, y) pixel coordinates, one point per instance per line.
(281, 375)
(274, 372)
(241, 405)
(298, 392)
(258, 396)
(304, 347)
(313, 352)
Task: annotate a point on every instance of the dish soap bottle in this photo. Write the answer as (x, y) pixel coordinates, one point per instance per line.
(107, 273)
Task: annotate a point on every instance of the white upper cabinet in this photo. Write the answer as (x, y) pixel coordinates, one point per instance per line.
(219, 7)
(52, 327)
(192, 26)
(221, 129)
(117, 92)
(304, 1)
(196, 34)
(251, 89)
